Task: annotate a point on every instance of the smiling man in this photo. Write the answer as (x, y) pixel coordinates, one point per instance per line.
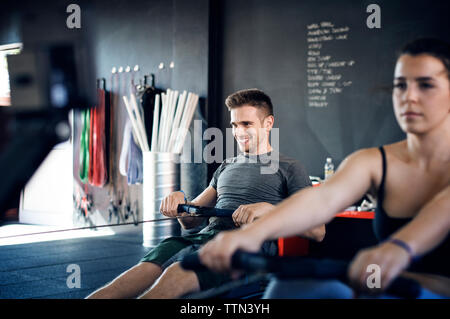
(238, 184)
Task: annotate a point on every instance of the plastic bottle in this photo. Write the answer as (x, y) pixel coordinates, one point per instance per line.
(328, 168)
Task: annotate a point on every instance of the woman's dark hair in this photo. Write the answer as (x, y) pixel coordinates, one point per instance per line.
(430, 46)
(253, 97)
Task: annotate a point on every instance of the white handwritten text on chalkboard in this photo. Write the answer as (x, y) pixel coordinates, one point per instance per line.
(323, 72)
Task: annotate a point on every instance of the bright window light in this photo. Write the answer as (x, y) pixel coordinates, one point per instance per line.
(18, 229)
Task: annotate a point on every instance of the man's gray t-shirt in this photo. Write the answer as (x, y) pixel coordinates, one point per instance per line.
(244, 179)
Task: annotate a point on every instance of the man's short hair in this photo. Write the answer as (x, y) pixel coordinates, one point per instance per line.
(252, 97)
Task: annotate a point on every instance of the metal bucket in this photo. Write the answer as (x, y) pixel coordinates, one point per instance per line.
(161, 177)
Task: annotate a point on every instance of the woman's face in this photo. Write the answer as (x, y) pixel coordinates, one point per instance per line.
(421, 94)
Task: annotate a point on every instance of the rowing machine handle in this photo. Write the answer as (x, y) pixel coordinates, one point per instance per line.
(301, 267)
(405, 288)
(298, 267)
(205, 211)
(239, 260)
(192, 262)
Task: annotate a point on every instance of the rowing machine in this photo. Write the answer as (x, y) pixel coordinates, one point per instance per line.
(290, 268)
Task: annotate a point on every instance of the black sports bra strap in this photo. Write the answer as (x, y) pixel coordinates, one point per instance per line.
(381, 188)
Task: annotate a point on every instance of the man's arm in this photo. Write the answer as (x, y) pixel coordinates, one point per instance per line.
(317, 233)
(207, 198)
(169, 206)
(298, 179)
(246, 214)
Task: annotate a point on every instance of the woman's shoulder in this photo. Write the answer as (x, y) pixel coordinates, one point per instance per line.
(396, 149)
(364, 155)
(370, 160)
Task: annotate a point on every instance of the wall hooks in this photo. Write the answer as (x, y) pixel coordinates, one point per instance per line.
(99, 83)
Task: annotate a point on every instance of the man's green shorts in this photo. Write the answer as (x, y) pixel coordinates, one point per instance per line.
(173, 249)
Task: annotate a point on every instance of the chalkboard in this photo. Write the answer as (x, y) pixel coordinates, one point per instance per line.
(328, 73)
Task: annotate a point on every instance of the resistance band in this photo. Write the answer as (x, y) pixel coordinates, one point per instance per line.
(84, 146)
(98, 172)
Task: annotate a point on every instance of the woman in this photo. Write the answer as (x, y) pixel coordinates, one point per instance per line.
(410, 179)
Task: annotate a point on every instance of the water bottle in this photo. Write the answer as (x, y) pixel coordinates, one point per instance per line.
(328, 168)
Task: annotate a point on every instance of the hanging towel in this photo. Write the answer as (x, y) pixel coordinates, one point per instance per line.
(130, 163)
(135, 166)
(123, 164)
(147, 101)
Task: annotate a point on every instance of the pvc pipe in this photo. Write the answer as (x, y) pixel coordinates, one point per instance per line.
(155, 125)
(185, 126)
(176, 121)
(162, 120)
(140, 122)
(133, 123)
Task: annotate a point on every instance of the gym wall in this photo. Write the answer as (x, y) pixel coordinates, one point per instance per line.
(147, 33)
(129, 33)
(265, 44)
(220, 46)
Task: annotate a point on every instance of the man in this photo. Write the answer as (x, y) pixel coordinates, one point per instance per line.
(237, 184)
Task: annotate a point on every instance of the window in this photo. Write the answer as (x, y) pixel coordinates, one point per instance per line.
(6, 50)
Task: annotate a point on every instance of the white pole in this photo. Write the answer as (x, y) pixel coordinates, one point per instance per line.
(155, 125)
(133, 123)
(187, 123)
(140, 123)
(176, 121)
(170, 117)
(163, 120)
(166, 119)
(182, 126)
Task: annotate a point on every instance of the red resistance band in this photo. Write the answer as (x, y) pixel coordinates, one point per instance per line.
(98, 174)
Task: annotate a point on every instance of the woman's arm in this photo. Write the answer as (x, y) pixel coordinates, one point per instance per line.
(430, 226)
(427, 230)
(303, 211)
(314, 206)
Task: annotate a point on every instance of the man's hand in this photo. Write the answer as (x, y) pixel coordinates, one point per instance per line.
(246, 214)
(169, 205)
(216, 254)
(391, 259)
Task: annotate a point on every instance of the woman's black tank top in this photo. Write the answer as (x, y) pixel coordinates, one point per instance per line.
(436, 261)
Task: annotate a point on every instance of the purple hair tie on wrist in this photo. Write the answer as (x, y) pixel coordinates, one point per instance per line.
(405, 246)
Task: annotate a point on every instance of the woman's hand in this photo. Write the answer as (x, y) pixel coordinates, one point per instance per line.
(217, 253)
(391, 260)
(245, 214)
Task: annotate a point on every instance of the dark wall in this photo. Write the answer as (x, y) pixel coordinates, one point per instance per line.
(147, 33)
(265, 45)
(221, 46)
(128, 33)
(150, 32)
